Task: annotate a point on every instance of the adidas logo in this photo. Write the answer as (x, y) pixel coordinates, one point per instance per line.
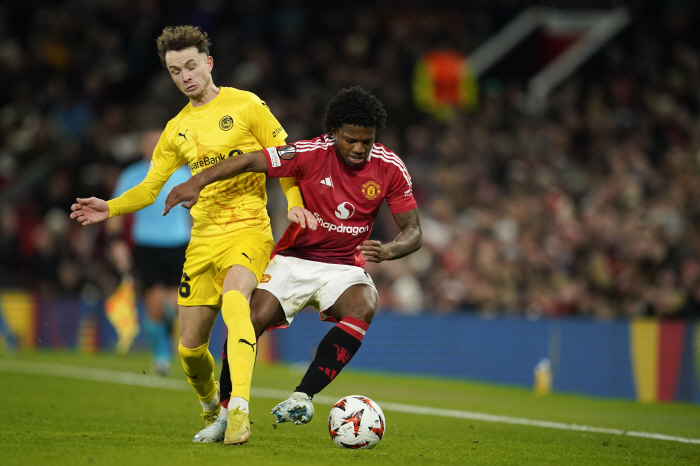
(327, 181)
(329, 372)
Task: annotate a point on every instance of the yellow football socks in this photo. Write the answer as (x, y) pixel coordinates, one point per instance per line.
(242, 345)
(198, 364)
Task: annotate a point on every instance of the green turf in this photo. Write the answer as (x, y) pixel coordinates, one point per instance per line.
(56, 420)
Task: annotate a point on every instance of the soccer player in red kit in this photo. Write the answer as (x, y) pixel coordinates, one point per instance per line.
(344, 177)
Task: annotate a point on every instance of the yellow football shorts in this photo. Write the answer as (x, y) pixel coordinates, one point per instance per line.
(208, 260)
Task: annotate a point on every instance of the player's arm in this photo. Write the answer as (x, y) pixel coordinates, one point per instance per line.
(290, 187)
(408, 241)
(188, 192)
(295, 204)
(269, 133)
(95, 210)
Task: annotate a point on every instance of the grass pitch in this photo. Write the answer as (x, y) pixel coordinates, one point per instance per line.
(73, 409)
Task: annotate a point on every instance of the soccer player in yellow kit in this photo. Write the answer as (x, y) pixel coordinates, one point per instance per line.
(231, 236)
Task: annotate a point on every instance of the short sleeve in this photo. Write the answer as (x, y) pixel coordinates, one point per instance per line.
(400, 195)
(290, 160)
(282, 161)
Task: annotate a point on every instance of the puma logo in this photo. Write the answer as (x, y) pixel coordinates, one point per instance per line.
(183, 135)
(252, 345)
(246, 256)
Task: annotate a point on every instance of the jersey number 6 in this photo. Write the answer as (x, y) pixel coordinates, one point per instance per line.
(184, 286)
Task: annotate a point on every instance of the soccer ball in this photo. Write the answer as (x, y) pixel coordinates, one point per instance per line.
(356, 422)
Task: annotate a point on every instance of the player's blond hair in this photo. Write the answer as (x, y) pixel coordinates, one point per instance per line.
(180, 38)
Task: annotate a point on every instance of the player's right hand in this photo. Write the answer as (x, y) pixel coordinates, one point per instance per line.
(89, 211)
(187, 191)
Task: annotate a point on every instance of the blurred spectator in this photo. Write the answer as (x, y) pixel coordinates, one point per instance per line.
(589, 208)
(158, 252)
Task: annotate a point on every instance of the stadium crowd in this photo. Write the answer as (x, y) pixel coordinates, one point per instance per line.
(590, 207)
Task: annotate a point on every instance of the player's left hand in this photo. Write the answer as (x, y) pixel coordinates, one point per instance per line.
(374, 251)
(187, 191)
(89, 210)
(303, 217)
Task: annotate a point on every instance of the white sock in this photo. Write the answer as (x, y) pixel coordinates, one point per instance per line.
(211, 406)
(223, 414)
(242, 403)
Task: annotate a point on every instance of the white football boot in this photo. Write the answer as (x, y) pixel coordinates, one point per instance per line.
(297, 409)
(214, 433)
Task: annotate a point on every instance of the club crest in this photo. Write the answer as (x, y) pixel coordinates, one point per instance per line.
(371, 190)
(226, 123)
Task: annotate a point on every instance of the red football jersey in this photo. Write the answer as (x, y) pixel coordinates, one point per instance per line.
(345, 200)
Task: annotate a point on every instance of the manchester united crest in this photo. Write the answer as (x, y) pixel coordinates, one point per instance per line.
(265, 278)
(371, 190)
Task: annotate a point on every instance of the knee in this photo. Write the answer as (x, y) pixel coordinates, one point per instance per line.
(191, 353)
(265, 311)
(195, 325)
(259, 324)
(189, 340)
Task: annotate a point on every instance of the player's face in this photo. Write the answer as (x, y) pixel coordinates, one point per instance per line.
(191, 71)
(354, 143)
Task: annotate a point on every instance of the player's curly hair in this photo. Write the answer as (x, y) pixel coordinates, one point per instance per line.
(180, 38)
(355, 106)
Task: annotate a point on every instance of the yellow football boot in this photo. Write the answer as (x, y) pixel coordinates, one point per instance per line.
(238, 428)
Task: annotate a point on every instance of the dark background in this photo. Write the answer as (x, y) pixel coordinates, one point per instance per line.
(590, 207)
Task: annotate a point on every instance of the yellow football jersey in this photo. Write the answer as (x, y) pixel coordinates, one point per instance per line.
(234, 123)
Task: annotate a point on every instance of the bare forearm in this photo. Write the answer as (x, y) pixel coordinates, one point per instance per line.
(407, 242)
(231, 168)
(188, 192)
